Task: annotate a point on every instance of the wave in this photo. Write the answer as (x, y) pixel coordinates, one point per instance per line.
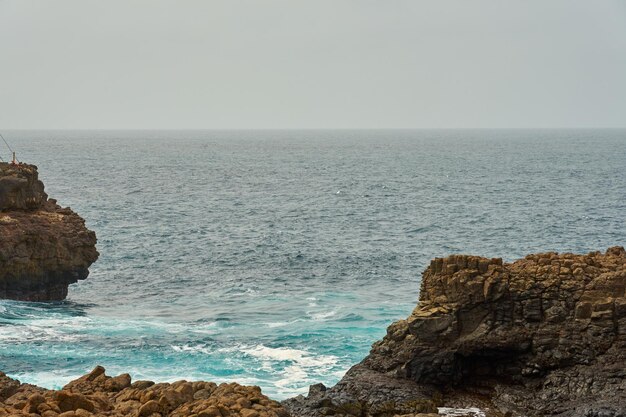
(322, 315)
(48, 379)
(53, 329)
(276, 324)
(193, 349)
(298, 373)
(299, 357)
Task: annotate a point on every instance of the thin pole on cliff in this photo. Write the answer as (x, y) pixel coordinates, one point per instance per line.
(8, 146)
(4, 142)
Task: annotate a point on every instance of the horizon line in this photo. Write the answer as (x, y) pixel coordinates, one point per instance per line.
(311, 128)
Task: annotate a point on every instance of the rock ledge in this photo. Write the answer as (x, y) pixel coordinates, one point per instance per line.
(43, 247)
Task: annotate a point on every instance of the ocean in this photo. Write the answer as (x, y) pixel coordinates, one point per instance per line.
(276, 258)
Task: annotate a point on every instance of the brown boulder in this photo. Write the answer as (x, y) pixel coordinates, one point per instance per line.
(68, 401)
(100, 395)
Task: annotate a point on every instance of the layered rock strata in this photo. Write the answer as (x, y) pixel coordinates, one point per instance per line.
(542, 336)
(43, 247)
(97, 394)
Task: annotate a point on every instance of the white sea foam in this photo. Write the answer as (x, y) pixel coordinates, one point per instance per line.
(297, 375)
(48, 330)
(277, 324)
(460, 412)
(46, 379)
(274, 324)
(322, 315)
(299, 357)
(193, 349)
(293, 376)
(209, 328)
(340, 373)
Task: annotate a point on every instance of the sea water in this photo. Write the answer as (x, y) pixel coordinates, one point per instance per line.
(276, 258)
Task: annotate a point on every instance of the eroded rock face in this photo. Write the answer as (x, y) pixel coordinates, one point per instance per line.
(20, 188)
(545, 335)
(43, 247)
(97, 394)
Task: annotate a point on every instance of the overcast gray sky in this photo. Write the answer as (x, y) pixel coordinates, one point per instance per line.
(312, 64)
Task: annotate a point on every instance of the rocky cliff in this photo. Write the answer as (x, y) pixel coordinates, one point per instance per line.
(542, 336)
(97, 394)
(43, 247)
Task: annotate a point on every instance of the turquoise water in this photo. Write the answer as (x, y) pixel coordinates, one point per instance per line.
(276, 258)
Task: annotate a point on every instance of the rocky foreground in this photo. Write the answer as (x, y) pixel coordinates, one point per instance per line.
(542, 336)
(97, 394)
(43, 247)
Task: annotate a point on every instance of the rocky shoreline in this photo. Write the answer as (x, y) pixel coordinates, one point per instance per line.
(97, 394)
(43, 247)
(541, 336)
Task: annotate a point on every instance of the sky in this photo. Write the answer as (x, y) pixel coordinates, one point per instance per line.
(292, 64)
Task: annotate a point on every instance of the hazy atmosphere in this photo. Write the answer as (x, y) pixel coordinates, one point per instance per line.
(320, 208)
(317, 64)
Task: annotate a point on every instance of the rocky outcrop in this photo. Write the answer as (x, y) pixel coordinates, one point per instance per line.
(97, 394)
(43, 247)
(20, 188)
(542, 336)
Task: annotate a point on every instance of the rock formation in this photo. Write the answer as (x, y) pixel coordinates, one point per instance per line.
(542, 336)
(43, 247)
(97, 394)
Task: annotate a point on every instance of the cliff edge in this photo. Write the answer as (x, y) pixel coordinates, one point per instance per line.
(542, 336)
(43, 247)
